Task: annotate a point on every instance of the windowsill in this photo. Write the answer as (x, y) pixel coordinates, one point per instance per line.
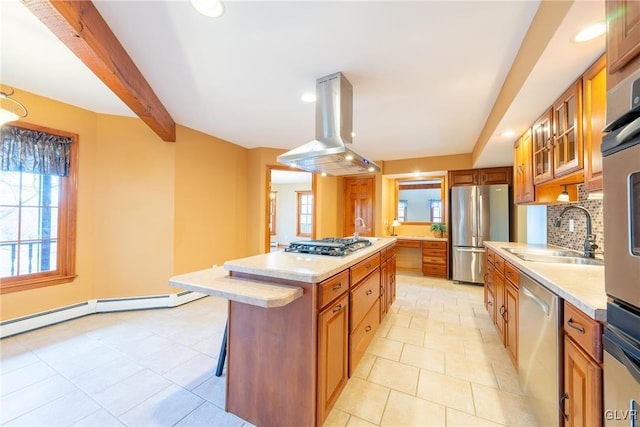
(10, 285)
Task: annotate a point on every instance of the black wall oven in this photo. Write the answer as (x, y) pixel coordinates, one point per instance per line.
(621, 186)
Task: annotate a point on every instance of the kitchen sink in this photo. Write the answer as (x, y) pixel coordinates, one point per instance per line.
(554, 256)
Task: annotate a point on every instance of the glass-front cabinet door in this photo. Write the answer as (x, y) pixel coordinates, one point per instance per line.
(567, 145)
(542, 154)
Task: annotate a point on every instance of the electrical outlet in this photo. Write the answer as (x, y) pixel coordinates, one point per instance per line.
(386, 223)
(571, 227)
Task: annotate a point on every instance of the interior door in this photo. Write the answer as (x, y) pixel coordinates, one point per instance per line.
(359, 202)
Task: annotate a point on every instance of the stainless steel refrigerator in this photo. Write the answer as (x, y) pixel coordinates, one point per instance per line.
(478, 213)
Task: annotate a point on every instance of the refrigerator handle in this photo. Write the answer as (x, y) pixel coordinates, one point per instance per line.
(480, 219)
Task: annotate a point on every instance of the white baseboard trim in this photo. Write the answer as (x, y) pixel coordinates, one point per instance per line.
(50, 317)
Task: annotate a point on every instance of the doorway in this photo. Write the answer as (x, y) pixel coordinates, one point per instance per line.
(290, 207)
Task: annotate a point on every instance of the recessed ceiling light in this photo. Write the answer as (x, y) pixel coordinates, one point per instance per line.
(323, 174)
(308, 97)
(417, 174)
(507, 133)
(293, 164)
(371, 169)
(348, 157)
(353, 134)
(210, 8)
(590, 32)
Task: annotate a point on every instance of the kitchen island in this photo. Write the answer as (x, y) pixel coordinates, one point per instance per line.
(287, 364)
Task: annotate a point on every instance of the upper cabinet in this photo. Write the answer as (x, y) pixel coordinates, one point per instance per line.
(523, 187)
(486, 176)
(594, 100)
(623, 36)
(542, 141)
(563, 145)
(567, 135)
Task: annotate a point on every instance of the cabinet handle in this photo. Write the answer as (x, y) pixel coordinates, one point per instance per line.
(571, 323)
(368, 266)
(368, 328)
(561, 404)
(337, 309)
(369, 292)
(336, 287)
(489, 303)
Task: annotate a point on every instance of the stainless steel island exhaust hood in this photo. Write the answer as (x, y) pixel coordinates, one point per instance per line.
(331, 151)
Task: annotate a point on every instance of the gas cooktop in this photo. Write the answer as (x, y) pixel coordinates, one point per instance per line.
(332, 246)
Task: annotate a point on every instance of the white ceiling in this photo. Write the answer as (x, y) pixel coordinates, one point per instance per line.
(425, 74)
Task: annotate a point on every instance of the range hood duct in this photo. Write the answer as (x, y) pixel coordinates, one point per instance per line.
(331, 152)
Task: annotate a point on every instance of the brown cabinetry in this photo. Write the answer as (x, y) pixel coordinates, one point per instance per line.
(567, 135)
(542, 137)
(364, 303)
(594, 99)
(387, 280)
(581, 402)
(501, 300)
(486, 176)
(623, 38)
(523, 187)
(435, 260)
(333, 348)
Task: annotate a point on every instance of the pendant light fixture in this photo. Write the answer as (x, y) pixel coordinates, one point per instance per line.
(564, 195)
(12, 109)
(210, 8)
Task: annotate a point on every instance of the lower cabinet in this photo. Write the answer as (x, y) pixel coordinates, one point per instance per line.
(333, 353)
(501, 300)
(435, 260)
(581, 402)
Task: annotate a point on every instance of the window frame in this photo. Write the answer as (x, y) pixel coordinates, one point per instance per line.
(67, 221)
(299, 195)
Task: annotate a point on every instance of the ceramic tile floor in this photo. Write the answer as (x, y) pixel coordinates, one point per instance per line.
(436, 361)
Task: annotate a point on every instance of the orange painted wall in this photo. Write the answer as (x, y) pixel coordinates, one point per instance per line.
(147, 209)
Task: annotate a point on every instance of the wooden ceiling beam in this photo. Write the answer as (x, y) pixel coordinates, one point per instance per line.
(79, 25)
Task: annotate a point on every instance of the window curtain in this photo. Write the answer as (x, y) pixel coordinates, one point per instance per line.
(25, 150)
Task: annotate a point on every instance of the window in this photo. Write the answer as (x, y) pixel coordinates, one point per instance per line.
(305, 214)
(272, 212)
(402, 210)
(435, 208)
(37, 207)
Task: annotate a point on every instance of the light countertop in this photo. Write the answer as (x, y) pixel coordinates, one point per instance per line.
(581, 285)
(303, 267)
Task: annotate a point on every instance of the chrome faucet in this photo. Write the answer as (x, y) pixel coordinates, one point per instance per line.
(590, 241)
(355, 232)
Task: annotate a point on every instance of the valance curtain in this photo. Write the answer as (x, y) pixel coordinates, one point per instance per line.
(25, 150)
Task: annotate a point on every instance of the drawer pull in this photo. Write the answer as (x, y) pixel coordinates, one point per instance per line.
(337, 309)
(369, 292)
(489, 303)
(368, 266)
(336, 287)
(571, 323)
(368, 328)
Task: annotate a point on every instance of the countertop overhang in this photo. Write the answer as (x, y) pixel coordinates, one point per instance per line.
(581, 285)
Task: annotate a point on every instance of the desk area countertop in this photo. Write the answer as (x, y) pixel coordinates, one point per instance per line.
(306, 268)
(581, 285)
(427, 238)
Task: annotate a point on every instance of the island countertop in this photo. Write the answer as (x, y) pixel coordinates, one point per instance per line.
(581, 285)
(306, 268)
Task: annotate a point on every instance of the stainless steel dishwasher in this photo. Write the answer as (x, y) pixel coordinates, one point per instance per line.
(539, 341)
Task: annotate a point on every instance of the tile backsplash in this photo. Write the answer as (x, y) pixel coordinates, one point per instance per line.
(575, 240)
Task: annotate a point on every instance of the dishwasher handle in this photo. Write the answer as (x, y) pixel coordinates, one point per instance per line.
(543, 305)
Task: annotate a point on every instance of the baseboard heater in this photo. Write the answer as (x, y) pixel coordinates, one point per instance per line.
(51, 317)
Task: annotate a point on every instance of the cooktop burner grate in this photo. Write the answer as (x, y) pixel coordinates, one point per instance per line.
(331, 246)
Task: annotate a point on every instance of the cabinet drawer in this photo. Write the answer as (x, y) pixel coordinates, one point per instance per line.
(426, 259)
(490, 256)
(511, 274)
(498, 263)
(363, 268)
(408, 243)
(361, 337)
(430, 244)
(435, 252)
(363, 297)
(585, 331)
(434, 270)
(391, 251)
(332, 288)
